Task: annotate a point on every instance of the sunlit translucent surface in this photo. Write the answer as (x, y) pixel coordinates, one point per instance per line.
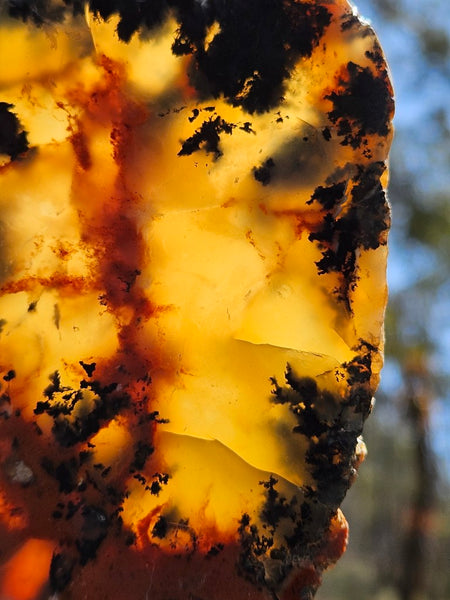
(187, 285)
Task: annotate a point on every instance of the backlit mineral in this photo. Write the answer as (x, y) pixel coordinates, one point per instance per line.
(192, 280)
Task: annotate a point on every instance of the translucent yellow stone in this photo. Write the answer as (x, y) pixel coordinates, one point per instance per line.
(193, 288)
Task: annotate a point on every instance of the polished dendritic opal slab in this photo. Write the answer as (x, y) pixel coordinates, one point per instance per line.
(192, 275)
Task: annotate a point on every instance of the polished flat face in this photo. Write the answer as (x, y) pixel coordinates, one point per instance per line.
(193, 260)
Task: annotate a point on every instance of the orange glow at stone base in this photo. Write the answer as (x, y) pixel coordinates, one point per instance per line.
(192, 294)
(27, 571)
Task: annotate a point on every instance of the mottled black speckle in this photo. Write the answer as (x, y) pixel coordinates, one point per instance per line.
(65, 473)
(10, 375)
(207, 137)
(276, 506)
(349, 21)
(141, 453)
(253, 545)
(365, 103)
(363, 225)
(159, 479)
(88, 367)
(329, 196)
(160, 528)
(13, 140)
(215, 550)
(247, 61)
(376, 56)
(315, 410)
(326, 132)
(195, 113)
(263, 174)
(68, 428)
